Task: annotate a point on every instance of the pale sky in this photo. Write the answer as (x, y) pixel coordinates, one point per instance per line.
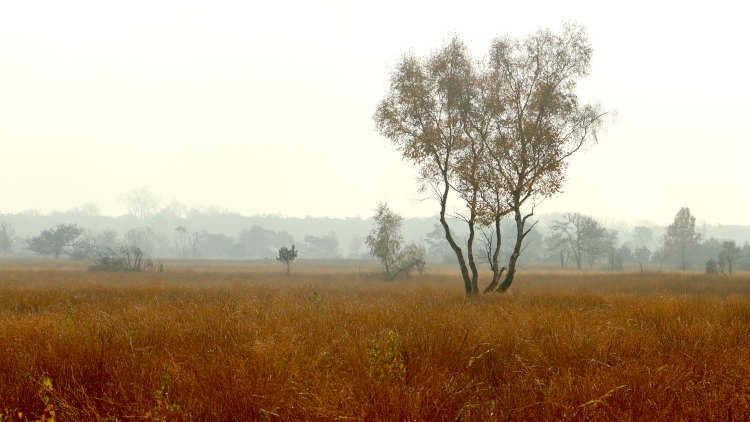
(266, 107)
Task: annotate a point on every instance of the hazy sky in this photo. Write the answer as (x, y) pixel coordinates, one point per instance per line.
(266, 107)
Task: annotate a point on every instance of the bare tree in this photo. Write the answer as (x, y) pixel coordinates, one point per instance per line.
(186, 242)
(496, 133)
(584, 237)
(681, 237)
(142, 238)
(557, 245)
(141, 202)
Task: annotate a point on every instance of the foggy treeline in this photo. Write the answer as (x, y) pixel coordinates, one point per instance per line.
(177, 232)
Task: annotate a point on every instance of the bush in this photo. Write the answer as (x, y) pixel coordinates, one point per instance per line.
(386, 243)
(712, 267)
(122, 260)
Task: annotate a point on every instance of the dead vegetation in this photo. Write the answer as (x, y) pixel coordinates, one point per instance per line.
(204, 345)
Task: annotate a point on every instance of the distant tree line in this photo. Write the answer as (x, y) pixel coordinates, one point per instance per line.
(582, 241)
(567, 241)
(73, 241)
(174, 230)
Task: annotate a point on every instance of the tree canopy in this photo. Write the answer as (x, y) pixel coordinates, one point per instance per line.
(287, 256)
(55, 241)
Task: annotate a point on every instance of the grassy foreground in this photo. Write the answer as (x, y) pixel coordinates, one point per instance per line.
(326, 346)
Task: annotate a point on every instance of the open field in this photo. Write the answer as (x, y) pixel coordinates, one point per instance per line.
(217, 343)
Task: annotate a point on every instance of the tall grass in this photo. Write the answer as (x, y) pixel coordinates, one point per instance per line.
(205, 345)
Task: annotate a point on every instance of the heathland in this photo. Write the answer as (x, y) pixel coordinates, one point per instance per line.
(244, 342)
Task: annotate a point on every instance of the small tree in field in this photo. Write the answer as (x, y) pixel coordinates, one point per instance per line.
(385, 243)
(287, 256)
(729, 254)
(642, 254)
(681, 237)
(385, 239)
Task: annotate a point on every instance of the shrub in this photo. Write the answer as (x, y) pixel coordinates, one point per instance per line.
(129, 259)
(711, 267)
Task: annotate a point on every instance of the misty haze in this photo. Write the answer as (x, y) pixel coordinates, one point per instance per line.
(376, 211)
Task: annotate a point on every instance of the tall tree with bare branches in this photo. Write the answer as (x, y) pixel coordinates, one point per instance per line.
(496, 133)
(422, 116)
(539, 120)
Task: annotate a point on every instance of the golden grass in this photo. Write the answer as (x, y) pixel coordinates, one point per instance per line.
(326, 346)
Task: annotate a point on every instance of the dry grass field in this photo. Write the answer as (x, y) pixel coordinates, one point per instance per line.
(330, 345)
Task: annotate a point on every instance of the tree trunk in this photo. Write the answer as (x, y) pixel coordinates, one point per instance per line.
(449, 237)
(683, 259)
(520, 223)
(470, 255)
(496, 272)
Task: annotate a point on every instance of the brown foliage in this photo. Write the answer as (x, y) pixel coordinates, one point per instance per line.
(209, 345)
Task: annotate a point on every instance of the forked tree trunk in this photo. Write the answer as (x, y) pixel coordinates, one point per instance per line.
(514, 255)
(470, 255)
(494, 265)
(520, 235)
